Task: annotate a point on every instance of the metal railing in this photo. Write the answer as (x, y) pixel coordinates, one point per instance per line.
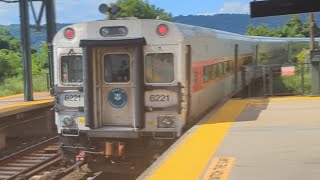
(40, 82)
(276, 80)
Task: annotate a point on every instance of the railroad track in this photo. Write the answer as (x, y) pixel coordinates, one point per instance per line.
(30, 161)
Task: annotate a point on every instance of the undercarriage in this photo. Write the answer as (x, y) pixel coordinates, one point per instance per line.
(113, 155)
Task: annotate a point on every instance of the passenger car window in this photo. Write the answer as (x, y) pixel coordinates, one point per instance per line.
(227, 66)
(116, 68)
(71, 69)
(159, 68)
(214, 71)
(206, 73)
(220, 69)
(195, 76)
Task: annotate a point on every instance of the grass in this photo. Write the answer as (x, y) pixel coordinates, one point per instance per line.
(14, 85)
(294, 84)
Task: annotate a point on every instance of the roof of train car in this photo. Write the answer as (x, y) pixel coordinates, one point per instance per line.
(189, 31)
(186, 31)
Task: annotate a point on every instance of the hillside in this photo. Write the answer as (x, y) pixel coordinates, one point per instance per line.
(36, 38)
(236, 23)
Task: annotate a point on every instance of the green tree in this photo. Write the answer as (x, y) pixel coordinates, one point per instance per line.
(262, 30)
(140, 9)
(11, 81)
(40, 60)
(10, 64)
(301, 56)
(4, 67)
(293, 28)
(10, 55)
(7, 41)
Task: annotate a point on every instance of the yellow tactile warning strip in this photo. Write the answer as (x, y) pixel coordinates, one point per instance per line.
(12, 96)
(191, 157)
(25, 104)
(219, 169)
(21, 95)
(16, 101)
(292, 98)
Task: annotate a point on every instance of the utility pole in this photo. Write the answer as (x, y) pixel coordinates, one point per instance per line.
(25, 38)
(26, 49)
(312, 21)
(314, 58)
(51, 31)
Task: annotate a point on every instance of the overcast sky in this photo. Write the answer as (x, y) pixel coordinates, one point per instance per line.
(70, 11)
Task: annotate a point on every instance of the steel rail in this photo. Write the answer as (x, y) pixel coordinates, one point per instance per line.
(30, 161)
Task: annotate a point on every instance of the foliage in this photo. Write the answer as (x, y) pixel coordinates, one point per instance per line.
(40, 63)
(7, 41)
(10, 56)
(14, 85)
(294, 27)
(11, 68)
(10, 64)
(260, 30)
(37, 38)
(293, 83)
(11, 86)
(301, 56)
(140, 9)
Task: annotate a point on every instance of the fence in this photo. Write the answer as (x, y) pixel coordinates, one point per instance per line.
(277, 80)
(14, 85)
(40, 82)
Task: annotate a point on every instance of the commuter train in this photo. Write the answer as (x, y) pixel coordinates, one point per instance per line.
(120, 83)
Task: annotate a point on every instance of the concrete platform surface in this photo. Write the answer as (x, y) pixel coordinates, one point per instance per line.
(253, 139)
(15, 104)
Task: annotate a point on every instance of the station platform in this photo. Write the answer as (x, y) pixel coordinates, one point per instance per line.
(276, 138)
(15, 104)
(25, 119)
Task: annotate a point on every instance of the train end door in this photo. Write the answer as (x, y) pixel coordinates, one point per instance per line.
(113, 83)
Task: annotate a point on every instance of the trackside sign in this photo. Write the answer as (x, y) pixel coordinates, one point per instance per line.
(288, 71)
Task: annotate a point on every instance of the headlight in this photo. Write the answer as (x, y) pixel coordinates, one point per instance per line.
(166, 122)
(68, 121)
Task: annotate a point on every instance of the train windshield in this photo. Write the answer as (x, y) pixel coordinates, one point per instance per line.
(117, 68)
(159, 68)
(71, 69)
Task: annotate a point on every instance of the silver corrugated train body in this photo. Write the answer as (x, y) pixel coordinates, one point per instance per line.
(134, 79)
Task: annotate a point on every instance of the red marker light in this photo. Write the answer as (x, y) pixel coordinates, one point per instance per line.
(162, 30)
(69, 33)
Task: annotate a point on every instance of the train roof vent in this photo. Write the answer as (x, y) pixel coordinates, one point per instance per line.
(127, 18)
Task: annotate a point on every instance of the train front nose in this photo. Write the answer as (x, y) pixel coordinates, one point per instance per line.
(114, 92)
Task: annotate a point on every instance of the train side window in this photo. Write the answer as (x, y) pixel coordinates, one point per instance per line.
(206, 73)
(159, 68)
(214, 71)
(195, 76)
(220, 69)
(71, 69)
(116, 68)
(247, 60)
(227, 66)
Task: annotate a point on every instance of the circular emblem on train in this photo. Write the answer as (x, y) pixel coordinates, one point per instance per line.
(118, 98)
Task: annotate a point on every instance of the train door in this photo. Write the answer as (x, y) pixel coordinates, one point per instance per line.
(113, 82)
(116, 86)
